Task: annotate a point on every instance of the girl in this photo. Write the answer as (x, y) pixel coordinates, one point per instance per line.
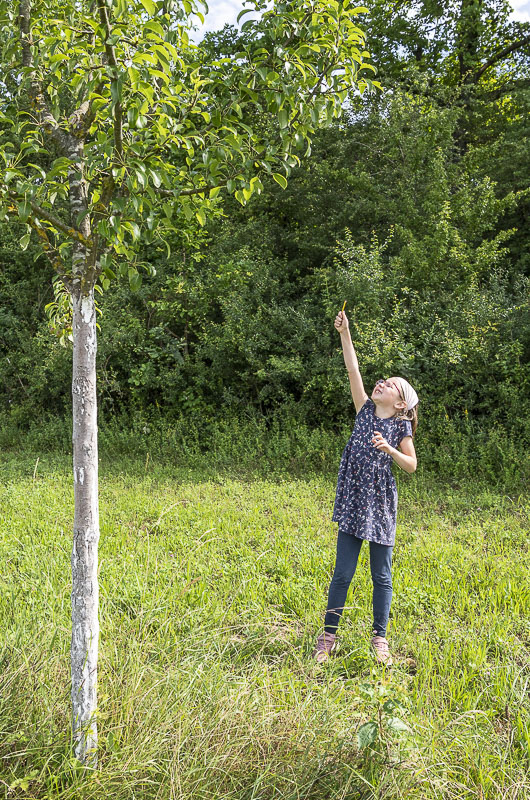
(366, 498)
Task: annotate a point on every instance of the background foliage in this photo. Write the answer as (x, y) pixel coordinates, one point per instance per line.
(414, 209)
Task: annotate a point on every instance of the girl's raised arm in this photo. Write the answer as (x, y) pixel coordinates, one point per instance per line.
(350, 359)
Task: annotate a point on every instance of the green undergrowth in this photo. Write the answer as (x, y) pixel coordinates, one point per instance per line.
(213, 588)
(279, 446)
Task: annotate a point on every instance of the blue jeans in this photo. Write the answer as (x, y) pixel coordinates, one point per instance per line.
(348, 548)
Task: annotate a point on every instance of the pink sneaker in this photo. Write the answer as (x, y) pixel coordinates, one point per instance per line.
(382, 651)
(326, 644)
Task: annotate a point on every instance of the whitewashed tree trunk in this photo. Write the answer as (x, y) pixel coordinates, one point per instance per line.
(85, 592)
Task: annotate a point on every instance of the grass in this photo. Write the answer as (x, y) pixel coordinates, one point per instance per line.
(213, 588)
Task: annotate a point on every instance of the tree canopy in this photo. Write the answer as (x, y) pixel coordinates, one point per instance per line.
(117, 95)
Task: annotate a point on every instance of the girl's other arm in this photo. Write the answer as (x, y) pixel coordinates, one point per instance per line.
(350, 359)
(406, 459)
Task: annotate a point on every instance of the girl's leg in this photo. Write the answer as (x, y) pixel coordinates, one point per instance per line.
(348, 548)
(381, 569)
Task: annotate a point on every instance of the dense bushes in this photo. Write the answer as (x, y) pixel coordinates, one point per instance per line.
(384, 216)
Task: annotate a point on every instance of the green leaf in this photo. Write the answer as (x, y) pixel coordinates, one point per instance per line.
(135, 279)
(242, 13)
(214, 192)
(366, 690)
(367, 734)
(24, 210)
(132, 116)
(201, 216)
(161, 75)
(188, 211)
(283, 118)
(139, 58)
(398, 725)
(156, 27)
(135, 230)
(156, 178)
(24, 241)
(149, 6)
(280, 179)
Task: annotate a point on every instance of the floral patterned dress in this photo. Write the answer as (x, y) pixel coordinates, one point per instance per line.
(366, 497)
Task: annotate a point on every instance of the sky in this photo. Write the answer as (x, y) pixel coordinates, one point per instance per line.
(223, 11)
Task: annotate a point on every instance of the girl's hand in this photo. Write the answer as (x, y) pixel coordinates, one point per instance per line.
(381, 444)
(341, 322)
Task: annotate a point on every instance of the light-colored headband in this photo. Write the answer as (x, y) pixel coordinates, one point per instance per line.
(411, 398)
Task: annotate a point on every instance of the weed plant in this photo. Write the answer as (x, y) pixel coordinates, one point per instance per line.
(213, 589)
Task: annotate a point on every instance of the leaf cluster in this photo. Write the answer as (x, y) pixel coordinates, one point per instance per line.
(154, 127)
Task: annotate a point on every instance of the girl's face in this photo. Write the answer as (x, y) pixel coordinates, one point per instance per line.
(387, 392)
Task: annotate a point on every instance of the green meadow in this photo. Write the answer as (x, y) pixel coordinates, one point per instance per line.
(212, 591)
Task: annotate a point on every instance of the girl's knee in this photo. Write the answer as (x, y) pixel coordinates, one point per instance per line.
(341, 578)
(382, 578)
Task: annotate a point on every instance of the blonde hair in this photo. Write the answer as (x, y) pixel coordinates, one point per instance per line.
(411, 415)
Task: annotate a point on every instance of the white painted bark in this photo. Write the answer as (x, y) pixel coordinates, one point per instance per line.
(85, 591)
(85, 625)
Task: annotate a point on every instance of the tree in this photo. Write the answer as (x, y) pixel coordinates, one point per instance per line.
(116, 130)
(457, 40)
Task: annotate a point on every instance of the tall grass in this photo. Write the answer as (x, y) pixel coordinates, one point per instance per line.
(212, 592)
(281, 445)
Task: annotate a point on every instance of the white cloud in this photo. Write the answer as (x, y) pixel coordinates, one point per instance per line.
(521, 10)
(221, 12)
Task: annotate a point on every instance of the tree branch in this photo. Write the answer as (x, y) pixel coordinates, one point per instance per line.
(24, 13)
(48, 121)
(48, 248)
(82, 118)
(68, 230)
(41, 213)
(204, 189)
(314, 91)
(475, 77)
(111, 55)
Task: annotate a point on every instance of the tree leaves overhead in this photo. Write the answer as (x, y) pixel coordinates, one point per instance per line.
(162, 125)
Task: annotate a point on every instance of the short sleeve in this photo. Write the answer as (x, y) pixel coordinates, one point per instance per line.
(406, 429)
(366, 407)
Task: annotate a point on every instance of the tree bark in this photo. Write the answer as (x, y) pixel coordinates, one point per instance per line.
(85, 591)
(468, 37)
